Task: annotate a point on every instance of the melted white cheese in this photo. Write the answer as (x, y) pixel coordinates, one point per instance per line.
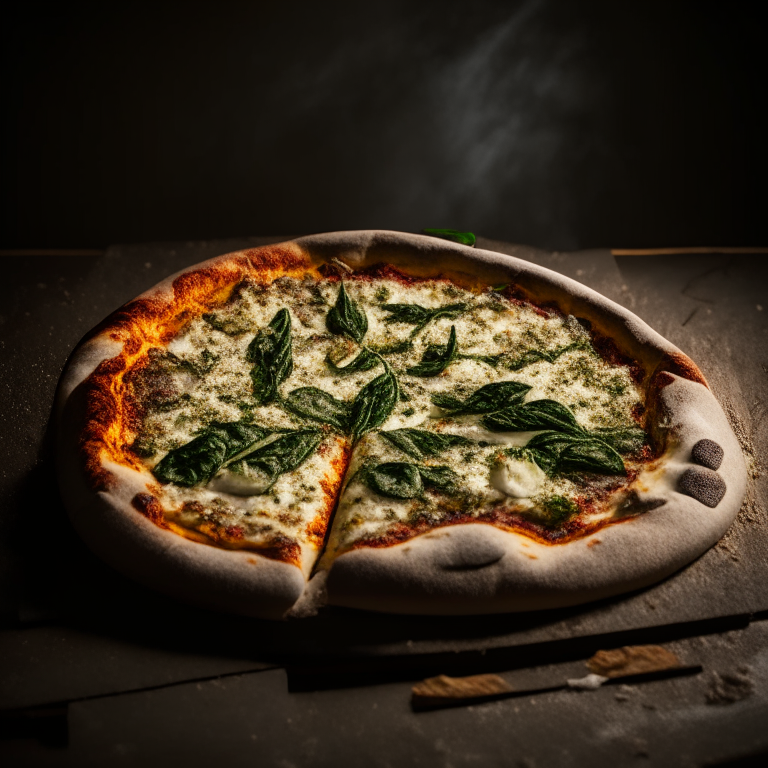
(212, 381)
(518, 479)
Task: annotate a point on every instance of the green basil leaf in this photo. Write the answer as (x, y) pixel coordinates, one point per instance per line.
(345, 317)
(558, 452)
(413, 314)
(545, 449)
(398, 480)
(487, 399)
(363, 362)
(448, 403)
(590, 455)
(529, 417)
(239, 435)
(547, 460)
(272, 357)
(441, 478)
(436, 358)
(285, 453)
(374, 403)
(420, 443)
(402, 480)
(535, 355)
(199, 460)
(622, 439)
(318, 405)
(193, 463)
(551, 441)
(465, 238)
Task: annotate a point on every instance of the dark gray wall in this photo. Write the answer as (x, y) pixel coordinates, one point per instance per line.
(560, 124)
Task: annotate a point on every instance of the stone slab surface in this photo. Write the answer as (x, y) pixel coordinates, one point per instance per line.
(709, 719)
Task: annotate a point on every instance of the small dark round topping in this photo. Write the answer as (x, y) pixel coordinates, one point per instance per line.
(704, 485)
(707, 453)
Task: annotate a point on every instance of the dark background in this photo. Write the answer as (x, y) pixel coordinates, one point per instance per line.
(559, 124)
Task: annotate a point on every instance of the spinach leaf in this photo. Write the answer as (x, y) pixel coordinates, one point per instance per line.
(622, 439)
(272, 357)
(193, 463)
(284, 454)
(441, 478)
(239, 435)
(396, 479)
(529, 417)
(465, 238)
(590, 455)
(547, 460)
(318, 405)
(436, 357)
(401, 480)
(535, 355)
(414, 314)
(345, 317)
(545, 449)
(199, 460)
(374, 403)
(558, 453)
(420, 443)
(363, 362)
(551, 441)
(487, 399)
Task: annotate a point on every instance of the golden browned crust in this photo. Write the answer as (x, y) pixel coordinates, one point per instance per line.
(149, 322)
(150, 507)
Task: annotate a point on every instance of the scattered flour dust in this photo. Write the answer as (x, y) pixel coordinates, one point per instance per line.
(752, 512)
(729, 688)
(744, 436)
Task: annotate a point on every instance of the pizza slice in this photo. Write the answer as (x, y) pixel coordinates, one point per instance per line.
(516, 421)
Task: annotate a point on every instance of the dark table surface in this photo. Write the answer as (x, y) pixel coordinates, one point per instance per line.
(94, 669)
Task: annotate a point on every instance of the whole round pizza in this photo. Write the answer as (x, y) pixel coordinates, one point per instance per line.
(390, 422)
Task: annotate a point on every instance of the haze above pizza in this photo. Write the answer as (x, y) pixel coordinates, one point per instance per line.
(412, 424)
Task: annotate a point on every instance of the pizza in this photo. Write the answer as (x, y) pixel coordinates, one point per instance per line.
(389, 422)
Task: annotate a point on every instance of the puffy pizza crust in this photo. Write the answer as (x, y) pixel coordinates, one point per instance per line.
(463, 569)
